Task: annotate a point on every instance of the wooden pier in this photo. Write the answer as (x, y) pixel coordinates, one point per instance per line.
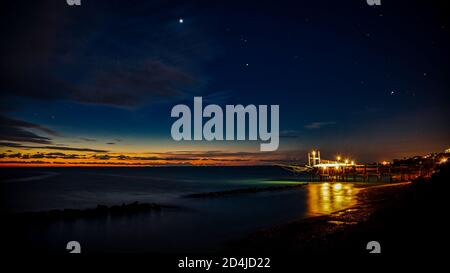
(346, 170)
(366, 173)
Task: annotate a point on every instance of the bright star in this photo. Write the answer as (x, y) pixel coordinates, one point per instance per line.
(181, 20)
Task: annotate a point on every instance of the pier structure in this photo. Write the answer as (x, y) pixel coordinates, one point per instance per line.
(347, 170)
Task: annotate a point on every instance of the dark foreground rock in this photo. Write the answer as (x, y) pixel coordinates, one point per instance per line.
(100, 210)
(242, 191)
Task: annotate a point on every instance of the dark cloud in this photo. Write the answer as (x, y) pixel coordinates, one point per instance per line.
(56, 154)
(226, 160)
(117, 59)
(10, 122)
(62, 156)
(91, 163)
(155, 158)
(41, 156)
(102, 157)
(62, 148)
(211, 153)
(20, 135)
(38, 155)
(16, 155)
(72, 149)
(151, 81)
(88, 139)
(11, 144)
(16, 130)
(167, 158)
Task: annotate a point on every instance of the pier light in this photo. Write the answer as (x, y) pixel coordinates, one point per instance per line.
(346, 161)
(337, 167)
(313, 152)
(338, 158)
(443, 160)
(352, 163)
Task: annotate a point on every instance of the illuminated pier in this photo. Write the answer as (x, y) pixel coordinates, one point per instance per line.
(347, 170)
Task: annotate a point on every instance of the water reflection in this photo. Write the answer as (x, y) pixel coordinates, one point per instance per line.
(324, 198)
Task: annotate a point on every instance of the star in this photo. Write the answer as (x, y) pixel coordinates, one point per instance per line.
(180, 20)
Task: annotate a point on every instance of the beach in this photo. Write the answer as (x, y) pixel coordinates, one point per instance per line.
(407, 219)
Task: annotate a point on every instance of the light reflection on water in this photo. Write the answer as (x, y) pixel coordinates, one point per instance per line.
(325, 198)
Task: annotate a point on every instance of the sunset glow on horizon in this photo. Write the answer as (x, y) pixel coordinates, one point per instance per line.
(99, 91)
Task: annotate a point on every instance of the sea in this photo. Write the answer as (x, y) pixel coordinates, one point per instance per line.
(189, 225)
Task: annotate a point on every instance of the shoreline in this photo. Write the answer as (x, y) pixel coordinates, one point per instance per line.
(320, 234)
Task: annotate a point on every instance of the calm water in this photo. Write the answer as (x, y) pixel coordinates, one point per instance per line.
(197, 225)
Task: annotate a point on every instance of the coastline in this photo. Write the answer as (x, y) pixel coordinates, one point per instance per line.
(380, 212)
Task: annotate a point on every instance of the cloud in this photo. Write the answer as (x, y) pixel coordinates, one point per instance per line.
(42, 155)
(169, 158)
(16, 130)
(16, 155)
(87, 139)
(5, 121)
(62, 148)
(318, 124)
(38, 155)
(62, 156)
(210, 153)
(71, 149)
(150, 81)
(124, 58)
(155, 158)
(102, 157)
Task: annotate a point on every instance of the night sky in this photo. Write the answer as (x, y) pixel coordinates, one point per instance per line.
(95, 83)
